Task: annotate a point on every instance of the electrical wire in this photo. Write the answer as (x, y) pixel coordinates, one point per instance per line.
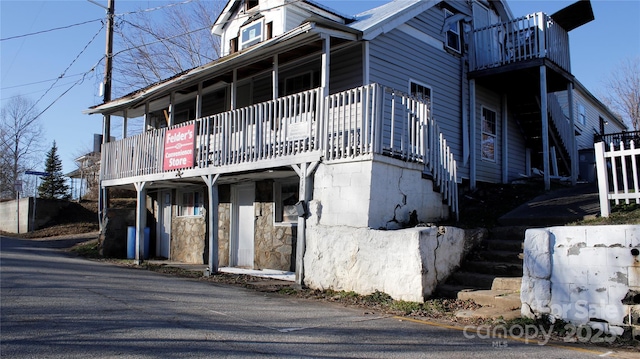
(50, 30)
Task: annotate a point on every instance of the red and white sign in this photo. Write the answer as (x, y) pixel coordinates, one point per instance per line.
(179, 148)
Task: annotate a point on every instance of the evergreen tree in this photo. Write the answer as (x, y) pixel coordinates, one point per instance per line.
(54, 185)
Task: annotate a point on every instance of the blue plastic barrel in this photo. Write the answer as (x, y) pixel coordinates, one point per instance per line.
(131, 242)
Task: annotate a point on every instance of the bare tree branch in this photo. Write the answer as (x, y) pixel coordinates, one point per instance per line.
(623, 91)
(20, 138)
(155, 46)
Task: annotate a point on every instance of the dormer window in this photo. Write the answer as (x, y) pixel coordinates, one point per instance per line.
(251, 34)
(250, 4)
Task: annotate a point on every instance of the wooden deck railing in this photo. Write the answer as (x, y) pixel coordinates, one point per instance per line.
(534, 36)
(563, 127)
(366, 120)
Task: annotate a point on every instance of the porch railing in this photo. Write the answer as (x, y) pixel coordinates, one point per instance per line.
(534, 36)
(366, 120)
(617, 170)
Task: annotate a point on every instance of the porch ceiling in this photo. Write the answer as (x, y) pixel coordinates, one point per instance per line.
(228, 178)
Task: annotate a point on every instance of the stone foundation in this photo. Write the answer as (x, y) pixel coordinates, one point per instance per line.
(188, 239)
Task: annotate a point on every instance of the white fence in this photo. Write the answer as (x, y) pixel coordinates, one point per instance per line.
(617, 175)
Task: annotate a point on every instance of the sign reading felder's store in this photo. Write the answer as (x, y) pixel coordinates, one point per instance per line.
(179, 148)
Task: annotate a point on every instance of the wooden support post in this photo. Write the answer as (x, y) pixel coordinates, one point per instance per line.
(326, 64)
(275, 78)
(505, 140)
(211, 181)
(544, 112)
(141, 218)
(125, 122)
(472, 134)
(603, 179)
(573, 152)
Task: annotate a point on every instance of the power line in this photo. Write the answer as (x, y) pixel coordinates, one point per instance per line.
(49, 30)
(39, 82)
(71, 64)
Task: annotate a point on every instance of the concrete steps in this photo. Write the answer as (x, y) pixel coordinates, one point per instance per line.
(491, 276)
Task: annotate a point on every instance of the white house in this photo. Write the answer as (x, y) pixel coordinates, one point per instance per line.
(314, 126)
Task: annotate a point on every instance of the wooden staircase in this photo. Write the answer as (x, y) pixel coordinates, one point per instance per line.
(526, 111)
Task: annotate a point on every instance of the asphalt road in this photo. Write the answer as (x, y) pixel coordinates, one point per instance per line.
(53, 305)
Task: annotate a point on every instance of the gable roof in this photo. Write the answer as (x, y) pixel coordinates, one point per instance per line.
(389, 16)
(313, 6)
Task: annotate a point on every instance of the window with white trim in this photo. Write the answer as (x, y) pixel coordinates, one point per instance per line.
(190, 203)
(251, 34)
(452, 36)
(582, 114)
(488, 144)
(285, 197)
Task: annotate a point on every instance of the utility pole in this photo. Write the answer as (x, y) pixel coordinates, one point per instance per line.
(103, 197)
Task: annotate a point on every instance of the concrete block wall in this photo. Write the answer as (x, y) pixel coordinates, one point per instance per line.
(406, 264)
(380, 193)
(9, 215)
(583, 275)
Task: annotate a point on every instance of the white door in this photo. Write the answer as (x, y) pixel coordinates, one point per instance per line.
(164, 225)
(242, 252)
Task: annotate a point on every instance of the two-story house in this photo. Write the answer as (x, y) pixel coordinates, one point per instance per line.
(367, 121)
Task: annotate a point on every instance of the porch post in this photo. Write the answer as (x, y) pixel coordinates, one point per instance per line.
(275, 78)
(103, 194)
(172, 109)
(545, 127)
(141, 218)
(326, 64)
(210, 180)
(234, 89)
(505, 140)
(199, 101)
(574, 145)
(125, 120)
(145, 125)
(472, 134)
(304, 171)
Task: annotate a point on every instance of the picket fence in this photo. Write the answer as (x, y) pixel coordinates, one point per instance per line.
(617, 171)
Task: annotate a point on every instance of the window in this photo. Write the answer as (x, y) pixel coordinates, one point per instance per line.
(420, 91)
(452, 35)
(488, 134)
(285, 197)
(251, 34)
(233, 45)
(250, 4)
(190, 204)
(582, 114)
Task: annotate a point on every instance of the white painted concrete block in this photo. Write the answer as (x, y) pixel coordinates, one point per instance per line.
(568, 236)
(613, 314)
(632, 236)
(605, 236)
(570, 275)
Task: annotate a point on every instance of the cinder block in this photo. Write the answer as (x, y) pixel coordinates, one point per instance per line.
(568, 236)
(632, 235)
(613, 314)
(605, 236)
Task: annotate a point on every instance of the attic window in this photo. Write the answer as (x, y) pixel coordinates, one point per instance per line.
(251, 34)
(250, 4)
(452, 36)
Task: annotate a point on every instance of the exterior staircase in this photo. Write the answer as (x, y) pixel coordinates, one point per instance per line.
(491, 275)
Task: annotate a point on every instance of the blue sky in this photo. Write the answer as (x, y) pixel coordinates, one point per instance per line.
(30, 65)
